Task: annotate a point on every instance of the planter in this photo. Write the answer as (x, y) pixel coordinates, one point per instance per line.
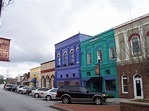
(135, 105)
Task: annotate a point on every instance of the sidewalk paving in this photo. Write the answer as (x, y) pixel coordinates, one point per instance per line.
(111, 105)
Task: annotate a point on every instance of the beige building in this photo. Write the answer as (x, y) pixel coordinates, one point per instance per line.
(48, 74)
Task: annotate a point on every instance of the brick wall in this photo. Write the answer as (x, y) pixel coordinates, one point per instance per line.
(130, 70)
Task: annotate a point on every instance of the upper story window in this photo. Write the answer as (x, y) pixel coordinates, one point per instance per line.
(135, 45)
(72, 57)
(99, 55)
(59, 59)
(124, 84)
(65, 58)
(112, 53)
(89, 59)
(122, 48)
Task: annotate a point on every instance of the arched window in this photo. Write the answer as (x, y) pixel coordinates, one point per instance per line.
(72, 57)
(65, 58)
(99, 55)
(135, 44)
(124, 80)
(59, 60)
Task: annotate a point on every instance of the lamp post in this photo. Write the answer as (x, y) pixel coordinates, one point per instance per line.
(100, 79)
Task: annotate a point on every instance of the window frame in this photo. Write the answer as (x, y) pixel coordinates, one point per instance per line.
(72, 56)
(59, 59)
(89, 58)
(132, 47)
(99, 55)
(124, 77)
(112, 53)
(65, 55)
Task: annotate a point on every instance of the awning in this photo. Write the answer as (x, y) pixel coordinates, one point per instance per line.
(94, 79)
(33, 80)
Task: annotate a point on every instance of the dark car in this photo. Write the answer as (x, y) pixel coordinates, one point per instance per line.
(8, 87)
(70, 93)
(14, 88)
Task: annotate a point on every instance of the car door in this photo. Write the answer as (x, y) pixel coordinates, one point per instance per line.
(52, 93)
(84, 94)
(74, 93)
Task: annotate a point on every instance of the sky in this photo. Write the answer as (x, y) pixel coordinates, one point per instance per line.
(35, 26)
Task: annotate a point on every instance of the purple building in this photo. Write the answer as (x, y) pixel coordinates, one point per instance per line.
(67, 60)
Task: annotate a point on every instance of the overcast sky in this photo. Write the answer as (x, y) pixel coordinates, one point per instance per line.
(34, 26)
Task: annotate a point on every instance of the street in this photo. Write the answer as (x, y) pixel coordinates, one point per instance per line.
(12, 101)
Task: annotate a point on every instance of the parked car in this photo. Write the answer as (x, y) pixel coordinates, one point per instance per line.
(70, 93)
(23, 90)
(37, 93)
(4, 86)
(49, 94)
(29, 90)
(20, 86)
(14, 88)
(8, 87)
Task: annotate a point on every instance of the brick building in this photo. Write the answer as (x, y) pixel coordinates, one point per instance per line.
(132, 42)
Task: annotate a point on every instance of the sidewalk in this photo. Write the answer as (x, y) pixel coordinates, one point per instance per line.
(111, 105)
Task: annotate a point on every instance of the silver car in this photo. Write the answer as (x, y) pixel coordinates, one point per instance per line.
(37, 93)
(22, 90)
(50, 94)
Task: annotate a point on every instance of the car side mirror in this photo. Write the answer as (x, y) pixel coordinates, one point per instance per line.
(87, 91)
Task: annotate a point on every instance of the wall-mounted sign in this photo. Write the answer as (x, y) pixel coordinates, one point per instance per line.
(97, 70)
(94, 39)
(4, 49)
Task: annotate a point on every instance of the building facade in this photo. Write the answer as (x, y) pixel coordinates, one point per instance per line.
(48, 74)
(132, 42)
(67, 60)
(98, 63)
(26, 79)
(34, 77)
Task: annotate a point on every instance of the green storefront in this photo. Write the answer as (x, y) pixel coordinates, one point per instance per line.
(100, 47)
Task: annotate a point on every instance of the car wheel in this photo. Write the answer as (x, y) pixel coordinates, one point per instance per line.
(36, 95)
(97, 100)
(48, 98)
(20, 92)
(66, 100)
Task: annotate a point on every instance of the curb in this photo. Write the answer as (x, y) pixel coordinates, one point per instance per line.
(59, 108)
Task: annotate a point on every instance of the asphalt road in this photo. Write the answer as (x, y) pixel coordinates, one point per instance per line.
(12, 101)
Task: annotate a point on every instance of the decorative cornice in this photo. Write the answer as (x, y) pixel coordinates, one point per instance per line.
(48, 70)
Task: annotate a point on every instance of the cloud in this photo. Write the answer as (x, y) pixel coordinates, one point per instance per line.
(34, 26)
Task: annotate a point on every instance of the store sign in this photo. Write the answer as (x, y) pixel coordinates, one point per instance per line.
(4, 49)
(94, 39)
(97, 70)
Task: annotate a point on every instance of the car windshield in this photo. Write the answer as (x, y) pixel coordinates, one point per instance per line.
(52, 90)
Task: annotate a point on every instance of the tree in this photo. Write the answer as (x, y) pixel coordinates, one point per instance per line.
(1, 79)
(133, 45)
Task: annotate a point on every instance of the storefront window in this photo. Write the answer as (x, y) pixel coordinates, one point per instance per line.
(110, 85)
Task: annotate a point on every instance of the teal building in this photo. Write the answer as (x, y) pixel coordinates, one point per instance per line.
(98, 63)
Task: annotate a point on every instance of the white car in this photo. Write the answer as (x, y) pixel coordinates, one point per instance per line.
(37, 93)
(50, 94)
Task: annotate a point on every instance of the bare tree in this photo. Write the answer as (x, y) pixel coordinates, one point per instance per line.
(131, 50)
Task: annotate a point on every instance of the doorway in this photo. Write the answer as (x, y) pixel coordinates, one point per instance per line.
(138, 89)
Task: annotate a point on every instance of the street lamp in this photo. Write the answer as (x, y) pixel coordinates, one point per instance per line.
(100, 80)
(98, 73)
